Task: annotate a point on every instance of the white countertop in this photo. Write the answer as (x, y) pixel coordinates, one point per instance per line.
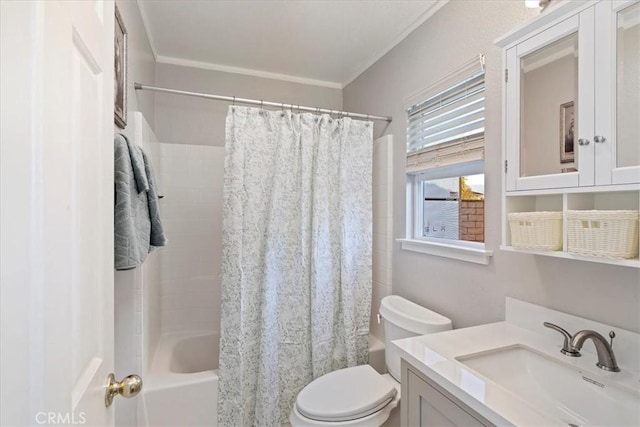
(435, 356)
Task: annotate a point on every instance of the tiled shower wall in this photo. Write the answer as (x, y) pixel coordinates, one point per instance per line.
(148, 287)
(382, 227)
(191, 180)
(137, 293)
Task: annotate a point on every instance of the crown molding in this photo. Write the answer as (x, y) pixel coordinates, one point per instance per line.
(147, 28)
(246, 71)
(436, 6)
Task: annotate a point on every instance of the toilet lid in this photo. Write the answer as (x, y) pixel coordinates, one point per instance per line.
(346, 394)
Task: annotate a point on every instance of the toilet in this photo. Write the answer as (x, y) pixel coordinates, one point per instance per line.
(360, 396)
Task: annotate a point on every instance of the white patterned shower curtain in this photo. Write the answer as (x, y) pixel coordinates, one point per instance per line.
(296, 268)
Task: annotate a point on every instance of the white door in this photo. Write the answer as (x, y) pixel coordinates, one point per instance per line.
(57, 211)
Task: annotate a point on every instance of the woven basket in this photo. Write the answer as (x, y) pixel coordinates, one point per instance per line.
(536, 230)
(609, 234)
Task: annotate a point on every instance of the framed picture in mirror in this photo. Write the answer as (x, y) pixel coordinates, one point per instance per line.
(120, 72)
(567, 127)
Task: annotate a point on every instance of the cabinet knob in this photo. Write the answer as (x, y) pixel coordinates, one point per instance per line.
(599, 139)
(583, 141)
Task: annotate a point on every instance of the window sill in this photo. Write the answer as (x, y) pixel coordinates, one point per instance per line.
(459, 252)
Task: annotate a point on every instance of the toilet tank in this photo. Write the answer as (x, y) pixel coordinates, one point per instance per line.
(403, 319)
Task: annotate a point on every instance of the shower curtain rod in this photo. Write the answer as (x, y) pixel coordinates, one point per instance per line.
(261, 103)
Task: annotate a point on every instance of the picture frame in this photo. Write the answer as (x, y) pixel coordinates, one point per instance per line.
(567, 131)
(120, 72)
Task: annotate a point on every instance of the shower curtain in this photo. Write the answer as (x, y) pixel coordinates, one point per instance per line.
(296, 269)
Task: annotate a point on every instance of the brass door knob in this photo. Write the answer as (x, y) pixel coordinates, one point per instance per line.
(130, 386)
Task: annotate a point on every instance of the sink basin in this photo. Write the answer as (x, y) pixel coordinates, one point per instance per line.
(573, 397)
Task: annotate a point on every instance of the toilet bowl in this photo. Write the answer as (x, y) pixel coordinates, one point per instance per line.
(360, 396)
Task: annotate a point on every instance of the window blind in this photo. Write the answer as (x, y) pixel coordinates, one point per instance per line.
(447, 126)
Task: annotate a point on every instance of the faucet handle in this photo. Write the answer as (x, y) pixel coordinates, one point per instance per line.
(567, 349)
(612, 335)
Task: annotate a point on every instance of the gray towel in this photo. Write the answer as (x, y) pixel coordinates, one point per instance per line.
(138, 228)
(157, 237)
(138, 164)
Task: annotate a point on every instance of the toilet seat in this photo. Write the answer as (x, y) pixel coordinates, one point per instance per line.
(330, 405)
(346, 397)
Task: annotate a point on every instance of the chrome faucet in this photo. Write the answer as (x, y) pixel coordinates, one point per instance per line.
(573, 344)
(566, 346)
(604, 350)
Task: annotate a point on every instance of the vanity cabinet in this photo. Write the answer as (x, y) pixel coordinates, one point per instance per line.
(571, 112)
(424, 403)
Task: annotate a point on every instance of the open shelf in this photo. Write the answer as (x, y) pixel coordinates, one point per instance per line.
(634, 263)
(561, 202)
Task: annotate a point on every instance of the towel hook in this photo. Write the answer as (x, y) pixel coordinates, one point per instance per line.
(234, 101)
(261, 104)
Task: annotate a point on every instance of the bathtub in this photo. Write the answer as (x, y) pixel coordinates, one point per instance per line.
(181, 387)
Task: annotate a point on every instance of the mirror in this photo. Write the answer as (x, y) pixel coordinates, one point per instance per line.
(549, 102)
(628, 86)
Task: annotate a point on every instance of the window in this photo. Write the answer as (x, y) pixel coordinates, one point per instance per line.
(445, 161)
(451, 208)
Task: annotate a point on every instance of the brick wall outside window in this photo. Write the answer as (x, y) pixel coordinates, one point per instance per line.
(471, 220)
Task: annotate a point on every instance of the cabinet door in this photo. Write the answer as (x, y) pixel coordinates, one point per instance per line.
(550, 107)
(426, 406)
(617, 72)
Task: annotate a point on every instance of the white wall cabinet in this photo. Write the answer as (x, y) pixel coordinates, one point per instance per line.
(426, 404)
(571, 89)
(571, 112)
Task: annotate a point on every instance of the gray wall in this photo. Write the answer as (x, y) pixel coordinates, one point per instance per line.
(140, 68)
(471, 294)
(141, 64)
(189, 120)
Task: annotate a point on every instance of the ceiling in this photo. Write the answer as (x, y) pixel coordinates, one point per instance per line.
(322, 42)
